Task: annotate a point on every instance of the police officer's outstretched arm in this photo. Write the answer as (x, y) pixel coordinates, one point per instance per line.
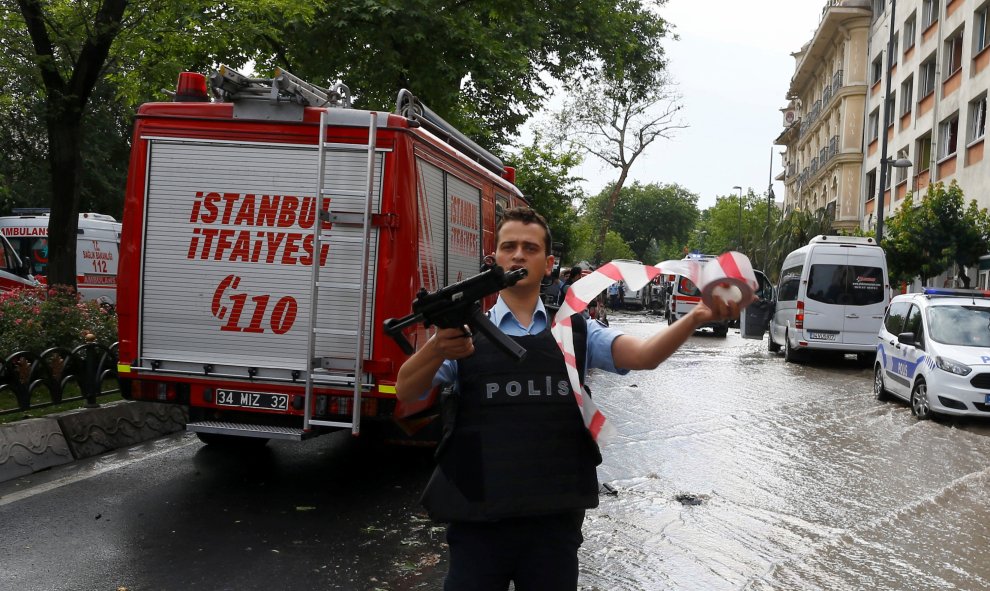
(631, 352)
(416, 374)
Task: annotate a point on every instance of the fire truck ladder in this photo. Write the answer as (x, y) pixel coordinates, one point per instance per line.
(319, 365)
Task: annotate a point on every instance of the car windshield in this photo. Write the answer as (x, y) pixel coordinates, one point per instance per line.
(968, 326)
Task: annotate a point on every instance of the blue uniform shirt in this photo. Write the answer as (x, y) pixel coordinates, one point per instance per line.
(599, 350)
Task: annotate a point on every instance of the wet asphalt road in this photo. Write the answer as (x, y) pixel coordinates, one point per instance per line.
(732, 468)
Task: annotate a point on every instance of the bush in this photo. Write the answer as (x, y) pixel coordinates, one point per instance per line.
(38, 318)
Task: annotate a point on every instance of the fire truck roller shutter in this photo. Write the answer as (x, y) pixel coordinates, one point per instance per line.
(225, 263)
(432, 226)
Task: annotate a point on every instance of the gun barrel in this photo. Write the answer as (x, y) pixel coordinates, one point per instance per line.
(513, 277)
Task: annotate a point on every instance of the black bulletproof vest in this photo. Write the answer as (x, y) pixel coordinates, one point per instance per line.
(514, 442)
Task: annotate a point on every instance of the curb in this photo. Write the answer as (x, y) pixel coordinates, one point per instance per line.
(33, 445)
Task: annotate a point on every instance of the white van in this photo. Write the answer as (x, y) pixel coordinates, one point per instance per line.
(831, 296)
(685, 295)
(97, 249)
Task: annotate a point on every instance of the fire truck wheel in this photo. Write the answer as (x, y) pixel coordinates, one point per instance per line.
(231, 441)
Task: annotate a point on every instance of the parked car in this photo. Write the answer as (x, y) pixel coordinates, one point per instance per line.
(934, 352)
(831, 296)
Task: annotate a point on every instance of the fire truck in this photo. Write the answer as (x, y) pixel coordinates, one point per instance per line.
(268, 233)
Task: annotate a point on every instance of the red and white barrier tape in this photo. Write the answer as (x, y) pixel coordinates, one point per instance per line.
(732, 270)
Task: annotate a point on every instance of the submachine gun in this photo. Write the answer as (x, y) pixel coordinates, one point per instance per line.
(458, 305)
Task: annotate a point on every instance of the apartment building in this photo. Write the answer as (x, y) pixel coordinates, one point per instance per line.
(825, 116)
(937, 104)
(840, 113)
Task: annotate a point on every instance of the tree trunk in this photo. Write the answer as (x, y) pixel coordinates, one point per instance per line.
(64, 158)
(613, 200)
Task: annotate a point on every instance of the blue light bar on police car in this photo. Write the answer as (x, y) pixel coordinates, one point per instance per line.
(946, 291)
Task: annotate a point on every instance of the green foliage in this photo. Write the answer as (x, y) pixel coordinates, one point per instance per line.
(741, 225)
(654, 220)
(792, 231)
(543, 174)
(926, 240)
(483, 66)
(38, 318)
(585, 234)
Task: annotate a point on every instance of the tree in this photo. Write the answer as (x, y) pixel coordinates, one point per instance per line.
(543, 174)
(62, 52)
(616, 118)
(904, 252)
(650, 218)
(483, 66)
(926, 240)
(794, 229)
(585, 233)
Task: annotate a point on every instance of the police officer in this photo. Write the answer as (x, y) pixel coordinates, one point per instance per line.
(516, 466)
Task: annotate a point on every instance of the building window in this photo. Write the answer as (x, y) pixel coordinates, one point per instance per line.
(907, 95)
(890, 109)
(953, 53)
(948, 132)
(874, 125)
(901, 172)
(980, 29)
(876, 69)
(894, 53)
(923, 153)
(926, 77)
(878, 7)
(929, 13)
(910, 30)
(977, 118)
(871, 184)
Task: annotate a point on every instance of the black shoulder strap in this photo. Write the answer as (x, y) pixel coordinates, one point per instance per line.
(579, 325)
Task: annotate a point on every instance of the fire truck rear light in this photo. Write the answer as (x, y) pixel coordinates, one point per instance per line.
(298, 402)
(208, 395)
(191, 88)
(799, 317)
(343, 405)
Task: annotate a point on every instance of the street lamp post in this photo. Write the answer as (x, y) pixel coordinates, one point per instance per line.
(885, 161)
(885, 165)
(739, 227)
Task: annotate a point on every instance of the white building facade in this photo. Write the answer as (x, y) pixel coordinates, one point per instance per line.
(935, 112)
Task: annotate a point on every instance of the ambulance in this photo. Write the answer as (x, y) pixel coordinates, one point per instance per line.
(97, 249)
(14, 274)
(269, 232)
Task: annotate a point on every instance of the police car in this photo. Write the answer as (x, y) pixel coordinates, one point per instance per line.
(934, 352)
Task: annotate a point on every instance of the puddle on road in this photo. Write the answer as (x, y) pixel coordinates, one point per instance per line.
(736, 470)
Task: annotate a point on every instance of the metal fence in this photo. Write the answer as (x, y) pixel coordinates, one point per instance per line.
(41, 380)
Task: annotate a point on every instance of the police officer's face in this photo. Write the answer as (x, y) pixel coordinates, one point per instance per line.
(521, 246)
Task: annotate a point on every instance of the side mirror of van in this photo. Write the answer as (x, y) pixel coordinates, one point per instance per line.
(906, 338)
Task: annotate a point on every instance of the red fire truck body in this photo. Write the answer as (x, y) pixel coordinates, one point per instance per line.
(220, 308)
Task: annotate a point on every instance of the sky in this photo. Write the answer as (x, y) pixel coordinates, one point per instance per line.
(733, 65)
